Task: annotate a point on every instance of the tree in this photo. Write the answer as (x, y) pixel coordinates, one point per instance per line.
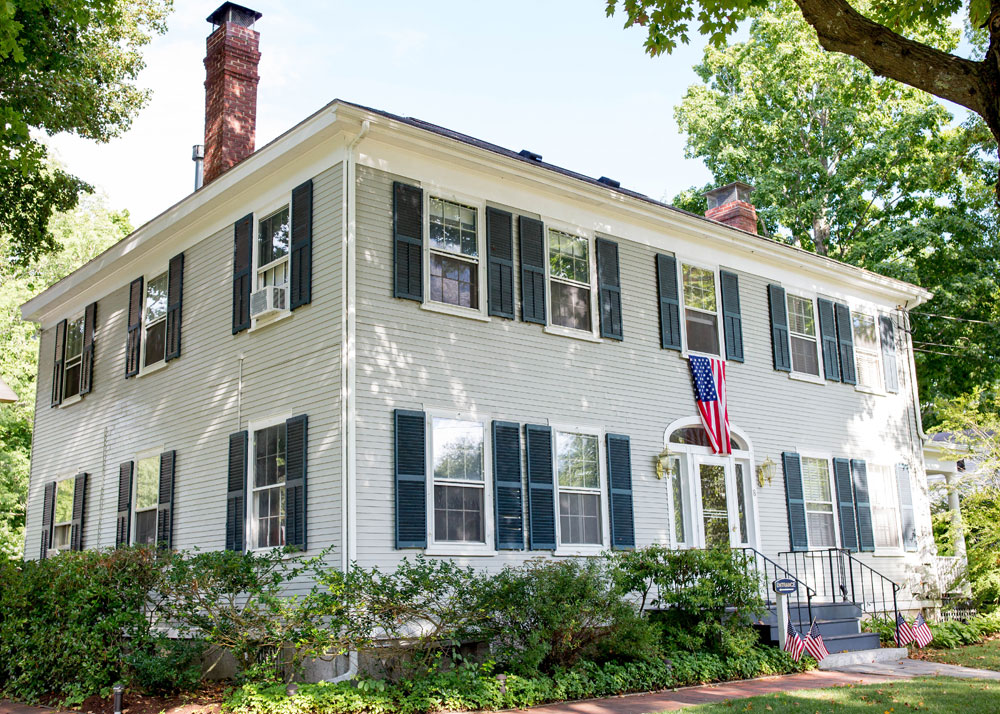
(65, 66)
(883, 34)
(83, 233)
(865, 170)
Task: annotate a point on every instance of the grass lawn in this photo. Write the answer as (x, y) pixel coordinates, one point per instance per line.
(983, 656)
(937, 695)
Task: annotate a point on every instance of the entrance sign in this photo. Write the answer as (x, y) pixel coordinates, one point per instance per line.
(785, 586)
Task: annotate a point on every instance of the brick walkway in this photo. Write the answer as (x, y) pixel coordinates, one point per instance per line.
(672, 700)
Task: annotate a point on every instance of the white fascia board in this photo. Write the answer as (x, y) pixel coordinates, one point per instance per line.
(309, 148)
(667, 222)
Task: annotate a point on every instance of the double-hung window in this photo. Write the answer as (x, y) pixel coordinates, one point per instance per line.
(273, 240)
(147, 493)
(701, 309)
(802, 335)
(570, 281)
(154, 320)
(885, 506)
(867, 356)
(62, 521)
(578, 482)
(453, 253)
(818, 490)
(459, 480)
(73, 365)
(267, 516)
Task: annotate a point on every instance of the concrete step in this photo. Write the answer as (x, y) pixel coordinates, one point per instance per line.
(820, 611)
(827, 628)
(851, 643)
(879, 655)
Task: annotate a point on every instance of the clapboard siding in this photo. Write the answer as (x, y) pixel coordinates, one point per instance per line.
(412, 358)
(191, 405)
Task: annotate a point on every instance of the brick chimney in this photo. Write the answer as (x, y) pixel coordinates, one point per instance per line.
(231, 78)
(730, 204)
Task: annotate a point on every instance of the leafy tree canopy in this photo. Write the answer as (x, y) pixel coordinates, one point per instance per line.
(65, 66)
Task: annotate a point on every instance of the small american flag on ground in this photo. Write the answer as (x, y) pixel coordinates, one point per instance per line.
(814, 643)
(793, 642)
(904, 633)
(709, 376)
(921, 632)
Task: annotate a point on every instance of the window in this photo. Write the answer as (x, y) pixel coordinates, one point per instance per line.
(885, 506)
(454, 253)
(866, 351)
(569, 280)
(819, 503)
(267, 521)
(678, 491)
(578, 475)
(802, 331)
(74, 357)
(154, 319)
(62, 522)
(701, 312)
(273, 237)
(147, 494)
(459, 480)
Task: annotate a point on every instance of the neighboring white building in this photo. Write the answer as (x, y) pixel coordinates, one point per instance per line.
(381, 336)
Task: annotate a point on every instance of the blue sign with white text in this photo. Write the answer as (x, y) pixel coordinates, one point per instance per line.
(785, 586)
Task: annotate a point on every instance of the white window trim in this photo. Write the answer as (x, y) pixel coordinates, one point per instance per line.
(143, 369)
(452, 548)
(817, 338)
(591, 335)
(285, 199)
(134, 515)
(55, 523)
(685, 352)
(248, 527)
(875, 315)
(887, 552)
(482, 312)
(605, 506)
(806, 454)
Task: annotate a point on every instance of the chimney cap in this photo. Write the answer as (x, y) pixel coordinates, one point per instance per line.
(231, 12)
(735, 191)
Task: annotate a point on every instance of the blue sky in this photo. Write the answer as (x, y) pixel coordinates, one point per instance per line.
(553, 76)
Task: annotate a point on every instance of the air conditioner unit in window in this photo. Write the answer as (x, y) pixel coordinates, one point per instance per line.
(267, 300)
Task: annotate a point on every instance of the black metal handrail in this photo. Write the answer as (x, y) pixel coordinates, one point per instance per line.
(767, 570)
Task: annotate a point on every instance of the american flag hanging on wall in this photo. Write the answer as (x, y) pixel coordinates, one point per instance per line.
(709, 375)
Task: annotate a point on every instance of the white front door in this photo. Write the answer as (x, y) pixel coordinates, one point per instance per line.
(722, 501)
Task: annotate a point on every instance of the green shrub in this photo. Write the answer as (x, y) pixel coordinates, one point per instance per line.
(550, 614)
(168, 666)
(947, 635)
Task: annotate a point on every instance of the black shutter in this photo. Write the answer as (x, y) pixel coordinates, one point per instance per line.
(845, 336)
(500, 275)
(236, 490)
(133, 343)
(907, 515)
(79, 504)
(670, 304)
(124, 523)
(508, 493)
(541, 489)
(411, 479)
(732, 317)
(888, 334)
(845, 502)
(620, 490)
(780, 347)
(408, 236)
(87, 360)
(242, 267)
(862, 504)
(57, 364)
(175, 296)
(296, 440)
(798, 536)
(48, 514)
(609, 287)
(165, 501)
(828, 335)
(531, 245)
(300, 285)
